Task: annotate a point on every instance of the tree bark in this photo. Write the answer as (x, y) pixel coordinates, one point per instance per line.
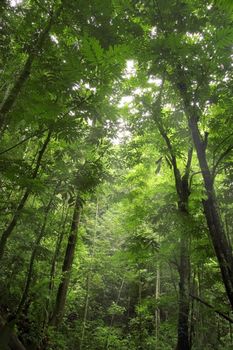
(67, 266)
(182, 189)
(9, 229)
(8, 339)
(222, 247)
(184, 271)
(56, 254)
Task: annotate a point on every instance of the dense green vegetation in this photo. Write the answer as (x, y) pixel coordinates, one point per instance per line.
(116, 174)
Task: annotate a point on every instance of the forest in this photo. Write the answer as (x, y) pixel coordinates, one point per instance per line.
(116, 174)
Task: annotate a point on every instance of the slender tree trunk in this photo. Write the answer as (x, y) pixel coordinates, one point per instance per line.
(85, 311)
(200, 322)
(43, 343)
(89, 277)
(157, 310)
(184, 264)
(23, 76)
(32, 259)
(56, 254)
(12, 319)
(118, 299)
(140, 338)
(223, 249)
(182, 189)
(9, 229)
(192, 312)
(183, 315)
(67, 266)
(113, 316)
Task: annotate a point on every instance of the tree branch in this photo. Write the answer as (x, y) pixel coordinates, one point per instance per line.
(221, 157)
(222, 142)
(188, 164)
(22, 141)
(191, 177)
(212, 307)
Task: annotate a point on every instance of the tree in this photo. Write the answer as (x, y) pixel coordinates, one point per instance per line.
(116, 174)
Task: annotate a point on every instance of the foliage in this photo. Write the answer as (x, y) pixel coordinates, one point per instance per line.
(97, 120)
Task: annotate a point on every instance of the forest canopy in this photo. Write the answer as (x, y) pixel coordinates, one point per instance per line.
(116, 174)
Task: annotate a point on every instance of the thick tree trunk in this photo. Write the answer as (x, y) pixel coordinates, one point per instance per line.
(9, 229)
(8, 339)
(34, 51)
(67, 266)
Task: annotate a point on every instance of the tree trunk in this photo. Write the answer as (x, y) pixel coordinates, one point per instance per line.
(9, 229)
(67, 266)
(157, 310)
(184, 267)
(32, 259)
(34, 51)
(56, 254)
(183, 315)
(43, 342)
(85, 312)
(113, 316)
(89, 277)
(182, 189)
(8, 339)
(222, 247)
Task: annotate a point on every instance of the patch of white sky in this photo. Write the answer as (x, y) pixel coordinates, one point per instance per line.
(80, 85)
(153, 32)
(129, 72)
(195, 37)
(123, 133)
(15, 3)
(54, 38)
(130, 69)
